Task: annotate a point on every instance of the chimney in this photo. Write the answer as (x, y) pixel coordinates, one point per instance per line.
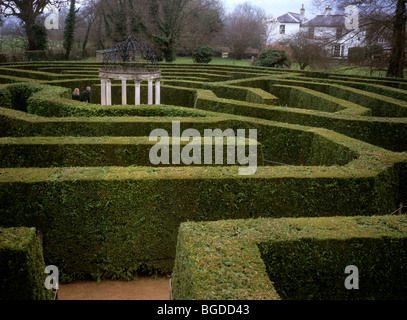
(302, 13)
(328, 11)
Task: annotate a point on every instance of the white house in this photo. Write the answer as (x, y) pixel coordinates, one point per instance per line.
(279, 30)
(332, 29)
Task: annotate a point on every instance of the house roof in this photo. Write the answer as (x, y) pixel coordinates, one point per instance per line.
(330, 21)
(290, 17)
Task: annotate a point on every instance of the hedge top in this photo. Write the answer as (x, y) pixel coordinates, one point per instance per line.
(223, 261)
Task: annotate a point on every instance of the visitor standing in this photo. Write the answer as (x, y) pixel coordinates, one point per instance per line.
(85, 96)
(76, 94)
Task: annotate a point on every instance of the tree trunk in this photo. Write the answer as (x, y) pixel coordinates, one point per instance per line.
(398, 53)
(85, 41)
(29, 30)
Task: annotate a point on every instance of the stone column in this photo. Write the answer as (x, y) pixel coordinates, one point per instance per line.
(150, 91)
(108, 92)
(137, 92)
(157, 92)
(124, 92)
(103, 92)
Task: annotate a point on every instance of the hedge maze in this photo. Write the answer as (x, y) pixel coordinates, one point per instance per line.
(330, 182)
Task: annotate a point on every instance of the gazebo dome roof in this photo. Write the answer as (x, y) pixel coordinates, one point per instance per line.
(130, 54)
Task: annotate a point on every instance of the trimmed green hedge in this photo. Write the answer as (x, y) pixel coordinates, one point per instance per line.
(36, 75)
(281, 144)
(22, 265)
(52, 101)
(389, 133)
(170, 95)
(302, 258)
(377, 86)
(381, 106)
(16, 96)
(90, 152)
(314, 268)
(109, 222)
(251, 95)
(21, 124)
(298, 97)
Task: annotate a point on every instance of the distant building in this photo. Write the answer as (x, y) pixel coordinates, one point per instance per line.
(329, 28)
(332, 30)
(279, 30)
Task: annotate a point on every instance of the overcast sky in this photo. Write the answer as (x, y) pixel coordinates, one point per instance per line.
(276, 8)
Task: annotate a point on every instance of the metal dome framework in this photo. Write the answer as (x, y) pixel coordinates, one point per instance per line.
(130, 60)
(130, 54)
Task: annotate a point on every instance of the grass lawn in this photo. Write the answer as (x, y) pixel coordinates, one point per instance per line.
(222, 61)
(361, 71)
(188, 60)
(7, 45)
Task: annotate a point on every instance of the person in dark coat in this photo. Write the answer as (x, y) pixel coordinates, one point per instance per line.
(85, 96)
(76, 94)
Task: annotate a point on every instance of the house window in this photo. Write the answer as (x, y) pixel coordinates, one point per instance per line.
(282, 29)
(337, 51)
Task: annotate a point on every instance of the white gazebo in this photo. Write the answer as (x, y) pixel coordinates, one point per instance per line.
(130, 61)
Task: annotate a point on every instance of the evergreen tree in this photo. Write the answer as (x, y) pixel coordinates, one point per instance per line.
(69, 29)
(41, 37)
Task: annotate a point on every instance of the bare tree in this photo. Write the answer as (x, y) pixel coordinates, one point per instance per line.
(27, 11)
(163, 24)
(384, 19)
(167, 20)
(87, 16)
(203, 24)
(306, 51)
(244, 28)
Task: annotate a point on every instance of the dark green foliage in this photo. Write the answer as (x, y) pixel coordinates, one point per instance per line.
(314, 269)
(83, 240)
(21, 266)
(36, 55)
(69, 30)
(291, 259)
(41, 36)
(166, 21)
(80, 172)
(273, 58)
(43, 152)
(19, 94)
(203, 54)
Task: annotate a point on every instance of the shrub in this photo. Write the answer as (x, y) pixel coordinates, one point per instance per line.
(273, 58)
(301, 258)
(21, 265)
(3, 57)
(203, 54)
(41, 36)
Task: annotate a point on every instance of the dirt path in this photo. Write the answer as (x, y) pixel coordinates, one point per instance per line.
(145, 288)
